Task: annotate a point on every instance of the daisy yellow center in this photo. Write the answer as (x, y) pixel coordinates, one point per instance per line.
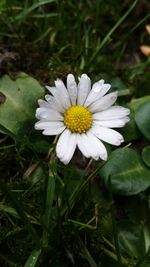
(78, 119)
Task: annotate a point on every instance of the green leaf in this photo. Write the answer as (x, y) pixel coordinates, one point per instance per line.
(131, 239)
(142, 118)
(126, 173)
(135, 103)
(17, 113)
(41, 146)
(146, 155)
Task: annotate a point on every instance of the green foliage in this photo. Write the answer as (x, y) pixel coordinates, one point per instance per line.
(131, 239)
(142, 119)
(146, 155)
(90, 214)
(17, 113)
(124, 172)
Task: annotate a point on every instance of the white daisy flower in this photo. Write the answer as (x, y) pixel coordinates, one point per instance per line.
(83, 116)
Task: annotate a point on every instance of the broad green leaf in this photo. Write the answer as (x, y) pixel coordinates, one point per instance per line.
(146, 155)
(17, 113)
(41, 146)
(142, 118)
(135, 103)
(125, 173)
(131, 239)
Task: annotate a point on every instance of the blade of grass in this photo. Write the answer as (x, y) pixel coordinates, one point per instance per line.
(108, 35)
(115, 230)
(44, 15)
(141, 261)
(113, 256)
(11, 211)
(42, 36)
(136, 26)
(124, 39)
(27, 11)
(33, 258)
(20, 211)
(86, 48)
(79, 188)
(9, 146)
(84, 225)
(50, 183)
(86, 254)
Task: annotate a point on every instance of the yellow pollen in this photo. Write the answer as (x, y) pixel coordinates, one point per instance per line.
(78, 119)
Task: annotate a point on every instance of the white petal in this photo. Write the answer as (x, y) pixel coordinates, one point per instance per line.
(44, 124)
(83, 142)
(115, 112)
(72, 88)
(70, 151)
(107, 135)
(55, 103)
(50, 103)
(52, 89)
(50, 127)
(91, 146)
(112, 123)
(96, 86)
(84, 87)
(61, 94)
(48, 114)
(60, 86)
(96, 147)
(53, 131)
(103, 103)
(43, 103)
(66, 146)
(50, 99)
(98, 90)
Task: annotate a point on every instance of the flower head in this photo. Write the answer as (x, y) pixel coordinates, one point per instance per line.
(83, 116)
